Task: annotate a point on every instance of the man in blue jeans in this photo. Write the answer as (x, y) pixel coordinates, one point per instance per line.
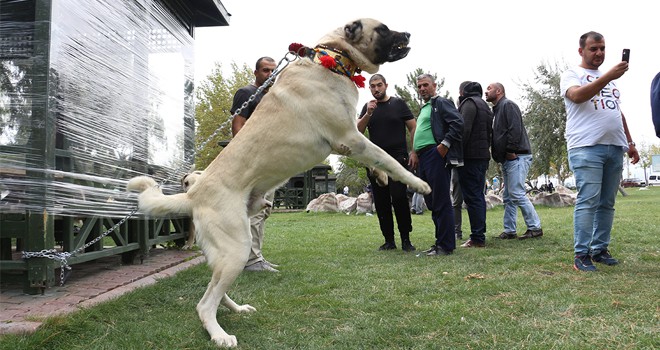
(511, 147)
(597, 137)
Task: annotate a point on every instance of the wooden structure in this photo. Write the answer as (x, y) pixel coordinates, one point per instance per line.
(302, 188)
(88, 90)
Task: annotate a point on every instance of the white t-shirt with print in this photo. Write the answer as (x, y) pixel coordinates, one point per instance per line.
(596, 121)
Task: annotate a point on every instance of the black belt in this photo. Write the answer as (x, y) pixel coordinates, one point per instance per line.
(425, 149)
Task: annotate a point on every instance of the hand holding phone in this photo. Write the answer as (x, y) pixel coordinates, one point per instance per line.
(625, 56)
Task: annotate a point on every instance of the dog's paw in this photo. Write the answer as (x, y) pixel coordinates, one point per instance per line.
(245, 308)
(226, 341)
(343, 150)
(140, 184)
(381, 176)
(422, 187)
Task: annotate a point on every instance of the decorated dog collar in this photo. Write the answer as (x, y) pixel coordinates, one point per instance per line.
(334, 59)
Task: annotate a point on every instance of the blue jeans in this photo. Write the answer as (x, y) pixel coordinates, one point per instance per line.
(472, 178)
(433, 170)
(597, 171)
(418, 203)
(514, 194)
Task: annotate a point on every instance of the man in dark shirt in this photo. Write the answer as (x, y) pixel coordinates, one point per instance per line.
(264, 68)
(477, 134)
(386, 118)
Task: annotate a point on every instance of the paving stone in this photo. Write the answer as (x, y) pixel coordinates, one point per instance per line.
(89, 283)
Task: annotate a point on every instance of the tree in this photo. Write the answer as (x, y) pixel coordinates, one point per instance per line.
(351, 173)
(646, 153)
(214, 99)
(545, 120)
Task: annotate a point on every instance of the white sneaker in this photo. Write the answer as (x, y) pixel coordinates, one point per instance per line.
(260, 266)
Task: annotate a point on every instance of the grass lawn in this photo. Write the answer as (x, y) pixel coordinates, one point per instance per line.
(336, 291)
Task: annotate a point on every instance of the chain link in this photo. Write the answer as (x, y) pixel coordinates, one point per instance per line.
(63, 257)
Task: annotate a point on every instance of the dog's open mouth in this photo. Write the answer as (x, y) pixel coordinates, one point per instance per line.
(399, 48)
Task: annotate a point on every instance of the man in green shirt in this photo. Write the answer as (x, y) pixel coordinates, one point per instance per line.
(438, 144)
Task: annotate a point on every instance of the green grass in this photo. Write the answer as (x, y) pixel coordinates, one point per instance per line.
(336, 291)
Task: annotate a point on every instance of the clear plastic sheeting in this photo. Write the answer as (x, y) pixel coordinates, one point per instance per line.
(93, 93)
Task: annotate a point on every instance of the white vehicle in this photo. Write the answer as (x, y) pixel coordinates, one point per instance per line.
(654, 180)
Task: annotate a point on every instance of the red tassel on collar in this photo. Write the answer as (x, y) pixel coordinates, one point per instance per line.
(328, 62)
(358, 80)
(298, 49)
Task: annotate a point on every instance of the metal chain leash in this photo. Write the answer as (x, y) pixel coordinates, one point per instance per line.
(63, 257)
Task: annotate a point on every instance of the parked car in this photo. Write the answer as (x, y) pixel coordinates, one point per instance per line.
(654, 180)
(632, 182)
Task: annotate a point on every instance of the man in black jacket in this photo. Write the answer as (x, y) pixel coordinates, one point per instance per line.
(437, 143)
(477, 133)
(511, 147)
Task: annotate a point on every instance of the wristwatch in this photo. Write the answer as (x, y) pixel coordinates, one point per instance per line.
(631, 143)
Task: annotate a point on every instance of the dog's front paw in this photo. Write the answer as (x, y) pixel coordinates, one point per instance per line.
(245, 308)
(422, 187)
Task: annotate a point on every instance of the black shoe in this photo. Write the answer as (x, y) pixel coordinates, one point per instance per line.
(435, 251)
(388, 246)
(407, 246)
(473, 244)
(604, 257)
(583, 263)
(532, 234)
(507, 235)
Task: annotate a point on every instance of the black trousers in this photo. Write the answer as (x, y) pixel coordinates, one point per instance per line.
(393, 196)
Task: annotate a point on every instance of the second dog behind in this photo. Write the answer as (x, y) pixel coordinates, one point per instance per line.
(187, 181)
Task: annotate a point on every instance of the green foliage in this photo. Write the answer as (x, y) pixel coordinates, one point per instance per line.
(353, 174)
(545, 120)
(214, 99)
(335, 290)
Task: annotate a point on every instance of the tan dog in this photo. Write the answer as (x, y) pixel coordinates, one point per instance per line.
(307, 114)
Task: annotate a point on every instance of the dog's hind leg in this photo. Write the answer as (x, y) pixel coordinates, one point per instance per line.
(226, 244)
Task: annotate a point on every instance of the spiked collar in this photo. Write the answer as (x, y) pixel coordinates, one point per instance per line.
(343, 64)
(334, 59)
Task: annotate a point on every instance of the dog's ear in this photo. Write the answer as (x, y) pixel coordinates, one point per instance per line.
(353, 31)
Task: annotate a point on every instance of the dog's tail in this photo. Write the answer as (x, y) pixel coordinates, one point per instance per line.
(153, 202)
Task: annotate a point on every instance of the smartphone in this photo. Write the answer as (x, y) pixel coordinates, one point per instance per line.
(625, 56)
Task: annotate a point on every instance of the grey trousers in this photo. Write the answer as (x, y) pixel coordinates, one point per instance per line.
(257, 224)
(456, 202)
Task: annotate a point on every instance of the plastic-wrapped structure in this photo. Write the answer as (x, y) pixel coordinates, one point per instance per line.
(93, 92)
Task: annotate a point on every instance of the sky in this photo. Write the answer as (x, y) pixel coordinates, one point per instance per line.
(484, 41)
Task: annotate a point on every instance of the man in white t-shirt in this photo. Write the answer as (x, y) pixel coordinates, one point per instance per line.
(597, 136)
